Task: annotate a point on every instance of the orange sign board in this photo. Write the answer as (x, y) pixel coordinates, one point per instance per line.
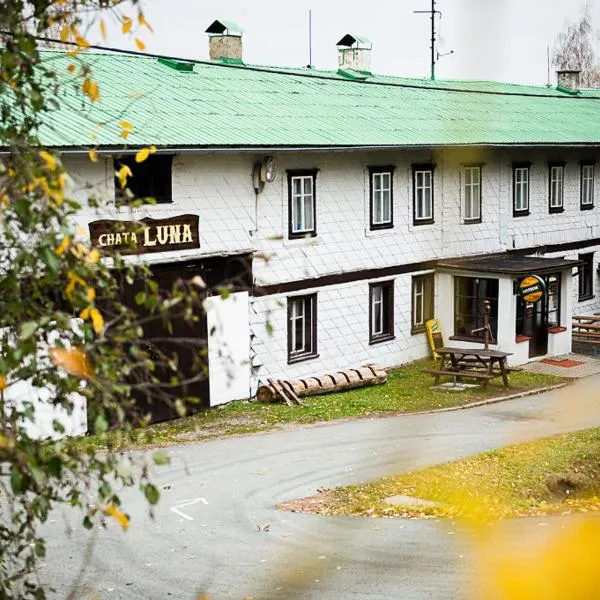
(532, 288)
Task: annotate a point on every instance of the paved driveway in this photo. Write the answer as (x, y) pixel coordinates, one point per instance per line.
(224, 537)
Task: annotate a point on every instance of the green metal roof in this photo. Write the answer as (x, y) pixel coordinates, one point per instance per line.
(218, 105)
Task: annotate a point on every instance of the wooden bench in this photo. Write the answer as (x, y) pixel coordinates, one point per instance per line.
(461, 373)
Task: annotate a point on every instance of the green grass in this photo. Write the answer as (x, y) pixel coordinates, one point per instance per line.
(408, 390)
(556, 475)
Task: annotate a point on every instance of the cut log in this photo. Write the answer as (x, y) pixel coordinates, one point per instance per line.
(311, 386)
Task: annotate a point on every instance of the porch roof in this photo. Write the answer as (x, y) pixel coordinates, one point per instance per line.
(508, 264)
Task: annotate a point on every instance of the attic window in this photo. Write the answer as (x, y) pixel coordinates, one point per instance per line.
(150, 179)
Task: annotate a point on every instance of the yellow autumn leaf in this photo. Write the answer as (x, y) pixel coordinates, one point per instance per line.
(85, 313)
(71, 68)
(122, 174)
(152, 149)
(93, 257)
(65, 32)
(90, 89)
(125, 125)
(2, 383)
(97, 320)
(73, 360)
(140, 44)
(142, 21)
(93, 155)
(103, 29)
(60, 249)
(81, 41)
(124, 134)
(74, 52)
(48, 159)
(73, 281)
(142, 155)
(90, 294)
(126, 25)
(121, 518)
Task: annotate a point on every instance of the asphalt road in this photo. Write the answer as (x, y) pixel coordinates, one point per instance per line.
(215, 530)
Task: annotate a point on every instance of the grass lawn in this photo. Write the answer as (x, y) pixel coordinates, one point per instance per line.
(407, 390)
(556, 475)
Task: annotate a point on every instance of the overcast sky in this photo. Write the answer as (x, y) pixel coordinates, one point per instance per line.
(503, 40)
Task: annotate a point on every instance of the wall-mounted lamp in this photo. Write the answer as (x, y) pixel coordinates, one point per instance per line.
(264, 172)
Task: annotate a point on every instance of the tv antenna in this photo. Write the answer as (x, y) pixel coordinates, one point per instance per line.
(310, 39)
(435, 55)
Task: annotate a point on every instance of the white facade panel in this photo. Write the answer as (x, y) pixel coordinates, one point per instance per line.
(228, 348)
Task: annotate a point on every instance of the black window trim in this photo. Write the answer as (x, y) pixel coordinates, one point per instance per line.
(423, 167)
(582, 164)
(527, 211)
(416, 329)
(551, 164)
(388, 335)
(302, 173)
(295, 358)
(583, 297)
(374, 171)
(462, 172)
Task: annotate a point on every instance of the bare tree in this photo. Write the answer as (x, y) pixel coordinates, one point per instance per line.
(574, 48)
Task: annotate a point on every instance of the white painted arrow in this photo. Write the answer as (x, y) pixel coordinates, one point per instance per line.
(183, 503)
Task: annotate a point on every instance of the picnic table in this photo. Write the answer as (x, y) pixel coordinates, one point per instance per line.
(471, 363)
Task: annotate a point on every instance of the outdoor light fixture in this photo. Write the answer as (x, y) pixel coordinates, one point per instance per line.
(264, 172)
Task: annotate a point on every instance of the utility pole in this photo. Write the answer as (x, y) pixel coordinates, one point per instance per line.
(433, 12)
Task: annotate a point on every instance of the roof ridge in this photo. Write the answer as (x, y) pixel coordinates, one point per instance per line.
(399, 81)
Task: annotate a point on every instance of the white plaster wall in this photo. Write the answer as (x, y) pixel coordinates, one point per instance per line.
(342, 332)
(217, 188)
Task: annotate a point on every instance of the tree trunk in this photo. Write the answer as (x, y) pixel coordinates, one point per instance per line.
(334, 382)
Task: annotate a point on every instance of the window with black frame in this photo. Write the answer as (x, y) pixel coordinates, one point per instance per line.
(149, 179)
(586, 276)
(553, 299)
(469, 296)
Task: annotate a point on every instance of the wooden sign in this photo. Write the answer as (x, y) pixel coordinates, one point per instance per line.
(434, 335)
(147, 235)
(532, 288)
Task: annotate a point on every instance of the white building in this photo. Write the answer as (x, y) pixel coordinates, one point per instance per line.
(394, 200)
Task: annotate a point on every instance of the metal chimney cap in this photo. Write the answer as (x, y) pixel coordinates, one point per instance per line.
(355, 41)
(220, 27)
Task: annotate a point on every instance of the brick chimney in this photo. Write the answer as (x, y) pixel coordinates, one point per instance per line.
(568, 79)
(225, 41)
(354, 52)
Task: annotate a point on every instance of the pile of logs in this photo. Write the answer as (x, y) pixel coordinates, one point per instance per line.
(291, 391)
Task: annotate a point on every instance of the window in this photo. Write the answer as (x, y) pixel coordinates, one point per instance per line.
(149, 179)
(469, 296)
(552, 299)
(587, 186)
(422, 302)
(381, 197)
(521, 189)
(586, 276)
(302, 203)
(422, 194)
(302, 328)
(472, 194)
(557, 187)
(381, 315)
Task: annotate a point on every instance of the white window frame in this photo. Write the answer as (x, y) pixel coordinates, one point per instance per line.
(381, 182)
(557, 188)
(587, 185)
(423, 211)
(419, 302)
(472, 193)
(304, 223)
(521, 189)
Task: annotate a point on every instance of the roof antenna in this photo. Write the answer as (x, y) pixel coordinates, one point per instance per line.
(548, 59)
(434, 56)
(309, 39)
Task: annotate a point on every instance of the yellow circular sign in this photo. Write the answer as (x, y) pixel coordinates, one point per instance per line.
(531, 289)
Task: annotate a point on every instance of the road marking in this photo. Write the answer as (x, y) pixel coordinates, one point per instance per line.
(183, 503)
